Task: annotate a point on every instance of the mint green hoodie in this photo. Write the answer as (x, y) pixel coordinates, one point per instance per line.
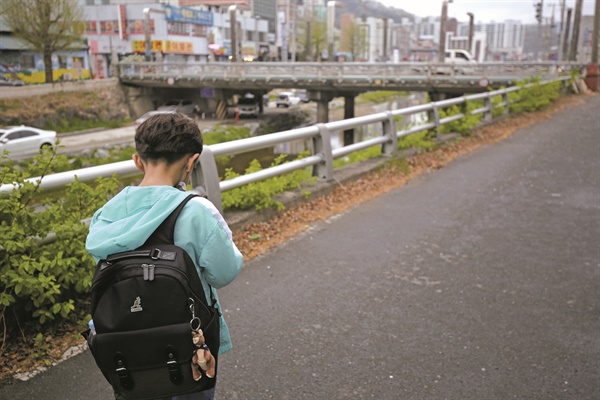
(128, 219)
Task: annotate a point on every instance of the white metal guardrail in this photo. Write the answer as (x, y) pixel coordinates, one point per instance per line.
(303, 72)
(205, 178)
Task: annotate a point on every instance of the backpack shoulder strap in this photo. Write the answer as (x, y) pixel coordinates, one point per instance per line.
(165, 232)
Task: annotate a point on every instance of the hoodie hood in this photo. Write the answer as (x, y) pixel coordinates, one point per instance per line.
(129, 218)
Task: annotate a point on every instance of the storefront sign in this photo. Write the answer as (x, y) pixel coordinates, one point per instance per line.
(139, 46)
(172, 46)
(188, 15)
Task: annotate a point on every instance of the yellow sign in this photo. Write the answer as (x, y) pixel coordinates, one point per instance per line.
(172, 46)
(139, 46)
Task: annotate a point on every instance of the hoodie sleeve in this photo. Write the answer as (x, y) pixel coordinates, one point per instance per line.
(219, 259)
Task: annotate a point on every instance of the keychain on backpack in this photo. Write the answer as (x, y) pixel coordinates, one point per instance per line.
(202, 359)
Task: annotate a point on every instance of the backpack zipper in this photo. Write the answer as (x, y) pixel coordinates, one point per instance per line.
(149, 275)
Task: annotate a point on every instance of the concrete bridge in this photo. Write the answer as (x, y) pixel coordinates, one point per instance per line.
(324, 81)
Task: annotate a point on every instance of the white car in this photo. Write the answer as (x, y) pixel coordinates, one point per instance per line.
(144, 117)
(183, 106)
(22, 141)
(287, 99)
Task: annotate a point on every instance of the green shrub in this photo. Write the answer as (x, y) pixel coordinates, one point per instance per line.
(534, 98)
(420, 140)
(41, 283)
(380, 96)
(260, 194)
(222, 134)
(465, 125)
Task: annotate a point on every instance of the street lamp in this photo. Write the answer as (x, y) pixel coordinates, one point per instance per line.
(331, 6)
(442, 46)
(256, 33)
(471, 25)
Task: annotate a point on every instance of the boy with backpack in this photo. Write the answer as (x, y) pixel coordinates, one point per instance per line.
(168, 146)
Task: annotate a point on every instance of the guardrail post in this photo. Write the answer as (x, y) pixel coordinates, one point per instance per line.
(487, 115)
(505, 101)
(322, 145)
(390, 129)
(435, 115)
(205, 178)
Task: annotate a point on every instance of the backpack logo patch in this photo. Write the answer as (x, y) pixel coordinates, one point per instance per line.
(137, 305)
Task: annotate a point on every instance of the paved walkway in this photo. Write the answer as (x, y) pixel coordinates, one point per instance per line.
(477, 281)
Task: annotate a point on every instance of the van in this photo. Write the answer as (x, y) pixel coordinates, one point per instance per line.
(458, 56)
(248, 106)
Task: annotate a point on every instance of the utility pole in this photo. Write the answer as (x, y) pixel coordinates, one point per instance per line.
(562, 30)
(565, 54)
(442, 44)
(471, 28)
(385, 40)
(595, 59)
(331, 5)
(308, 16)
(576, 25)
(233, 29)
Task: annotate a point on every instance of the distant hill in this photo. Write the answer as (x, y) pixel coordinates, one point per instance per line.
(372, 8)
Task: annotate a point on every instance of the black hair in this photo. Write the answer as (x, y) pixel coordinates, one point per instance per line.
(167, 137)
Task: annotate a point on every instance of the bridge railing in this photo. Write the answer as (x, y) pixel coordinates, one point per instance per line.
(321, 72)
(205, 178)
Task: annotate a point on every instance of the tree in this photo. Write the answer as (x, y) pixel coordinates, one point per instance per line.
(46, 26)
(354, 40)
(318, 39)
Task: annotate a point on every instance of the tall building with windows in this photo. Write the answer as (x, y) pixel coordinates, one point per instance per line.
(505, 40)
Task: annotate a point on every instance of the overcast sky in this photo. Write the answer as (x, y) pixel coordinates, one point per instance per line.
(486, 10)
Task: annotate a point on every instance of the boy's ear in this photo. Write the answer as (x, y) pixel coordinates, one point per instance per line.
(194, 160)
(138, 162)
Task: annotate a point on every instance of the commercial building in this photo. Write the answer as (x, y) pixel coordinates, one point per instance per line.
(19, 61)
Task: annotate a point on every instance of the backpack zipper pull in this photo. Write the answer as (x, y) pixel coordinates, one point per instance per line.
(150, 272)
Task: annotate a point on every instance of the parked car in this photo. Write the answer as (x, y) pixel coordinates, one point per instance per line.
(22, 141)
(287, 99)
(183, 106)
(248, 105)
(144, 117)
(303, 96)
(5, 81)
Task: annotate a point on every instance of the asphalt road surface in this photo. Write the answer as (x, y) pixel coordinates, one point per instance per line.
(477, 281)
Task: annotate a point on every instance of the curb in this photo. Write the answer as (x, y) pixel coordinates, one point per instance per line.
(239, 220)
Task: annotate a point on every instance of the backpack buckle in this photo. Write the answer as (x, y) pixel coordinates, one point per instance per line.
(124, 378)
(173, 367)
(155, 254)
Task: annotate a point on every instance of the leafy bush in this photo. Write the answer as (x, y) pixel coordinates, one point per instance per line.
(380, 96)
(534, 98)
(420, 140)
(260, 194)
(222, 134)
(41, 283)
(465, 125)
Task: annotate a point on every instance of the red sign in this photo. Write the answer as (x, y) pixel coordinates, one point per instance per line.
(122, 21)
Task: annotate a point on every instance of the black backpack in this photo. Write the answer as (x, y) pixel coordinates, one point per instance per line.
(144, 302)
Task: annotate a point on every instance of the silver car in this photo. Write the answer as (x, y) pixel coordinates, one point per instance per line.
(183, 106)
(22, 141)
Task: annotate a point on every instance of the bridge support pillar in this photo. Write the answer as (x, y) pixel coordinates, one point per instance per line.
(322, 99)
(348, 113)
